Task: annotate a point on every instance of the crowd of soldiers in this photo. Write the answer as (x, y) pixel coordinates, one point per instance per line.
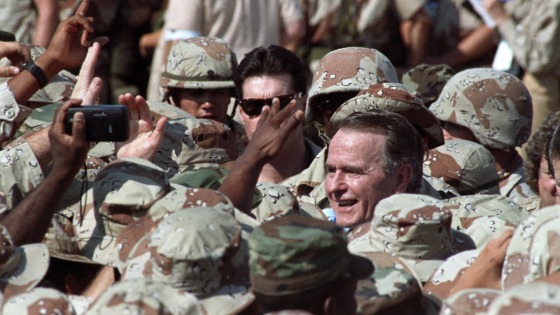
(249, 187)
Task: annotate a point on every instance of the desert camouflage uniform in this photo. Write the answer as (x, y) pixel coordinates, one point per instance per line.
(465, 165)
(532, 251)
(485, 217)
(531, 298)
(200, 251)
(496, 107)
(417, 228)
(444, 277)
(203, 63)
(469, 301)
(141, 296)
(39, 301)
(428, 80)
(318, 255)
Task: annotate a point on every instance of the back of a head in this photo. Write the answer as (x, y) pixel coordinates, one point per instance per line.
(349, 69)
(271, 61)
(199, 63)
(495, 106)
(402, 141)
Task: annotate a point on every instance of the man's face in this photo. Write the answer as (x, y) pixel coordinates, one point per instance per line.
(263, 87)
(355, 180)
(547, 186)
(209, 104)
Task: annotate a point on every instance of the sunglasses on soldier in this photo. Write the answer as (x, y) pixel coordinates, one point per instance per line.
(253, 106)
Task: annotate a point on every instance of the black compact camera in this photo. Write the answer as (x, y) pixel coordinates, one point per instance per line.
(103, 122)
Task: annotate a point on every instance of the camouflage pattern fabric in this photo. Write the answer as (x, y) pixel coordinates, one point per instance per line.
(514, 186)
(191, 143)
(348, 69)
(467, 166)
(22, 267)
(295, 254)
(12, 114)
(39, 118)
(140, 296)
(469, 301)
(39, 301)
(444, 277)
(532, 251)
(276, 201)
(484, 217)
(531, 298)
(199, 63)
(416, 228)
(428, 80)
(397, 98)
(388, 288)
(494, 105)
(199, 251)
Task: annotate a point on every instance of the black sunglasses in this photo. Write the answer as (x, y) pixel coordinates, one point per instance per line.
(253, 106)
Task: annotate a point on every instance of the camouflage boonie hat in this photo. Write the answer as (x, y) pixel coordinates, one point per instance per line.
(532, 252)
(199, 251)
(428, 80)
(180, 198)
(469, 301)
(444, 277)
(465, 165)
(531, 298)
(494, 105)
(123, 192)
(276, 201)
(199, 63)
(348, 69)
(190, 143)
(39, 301)
(60, 87)
(21, 267)
(416, 228)
(141, 296)
(396, 98)
(294, 254)
(485, 217)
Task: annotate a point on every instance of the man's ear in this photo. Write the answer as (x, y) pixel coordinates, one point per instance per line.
(403, 175)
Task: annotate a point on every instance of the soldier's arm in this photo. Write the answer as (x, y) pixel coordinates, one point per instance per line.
(273, 129)
(29, 220)
(46, 22)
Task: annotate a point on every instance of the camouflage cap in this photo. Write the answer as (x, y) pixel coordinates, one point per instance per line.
(416, 228)
(444, 277)
(59, 88)
(294, 254)
(531, 298)
(348, 69)
(39, 301)
(484, 217)
(532, 253)
(22, 267)
(494, 105)
(190, 143)
(469, 301)
(141, 296)
(428, 80)
(199, 63)
(465, 165)
(276, 201)
(200, 251)
(397, 98)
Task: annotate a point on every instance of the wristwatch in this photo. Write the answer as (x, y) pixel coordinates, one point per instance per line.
(37, 72)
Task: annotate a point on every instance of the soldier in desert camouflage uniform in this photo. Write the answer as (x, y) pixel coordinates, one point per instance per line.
(39, 301)
(299, 263)
(492, 108)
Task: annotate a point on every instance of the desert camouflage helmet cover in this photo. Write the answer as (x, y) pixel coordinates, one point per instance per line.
(199, 63)
(496, 106)
(346, 70)
(39, 301)
(397, 98)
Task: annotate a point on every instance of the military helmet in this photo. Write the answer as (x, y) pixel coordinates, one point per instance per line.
(428, 80)
(348, 69)
(494, 105)
(199, 63)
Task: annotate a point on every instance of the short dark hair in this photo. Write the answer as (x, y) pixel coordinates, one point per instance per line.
(536, 149)
(402, 141)
(274, 60)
